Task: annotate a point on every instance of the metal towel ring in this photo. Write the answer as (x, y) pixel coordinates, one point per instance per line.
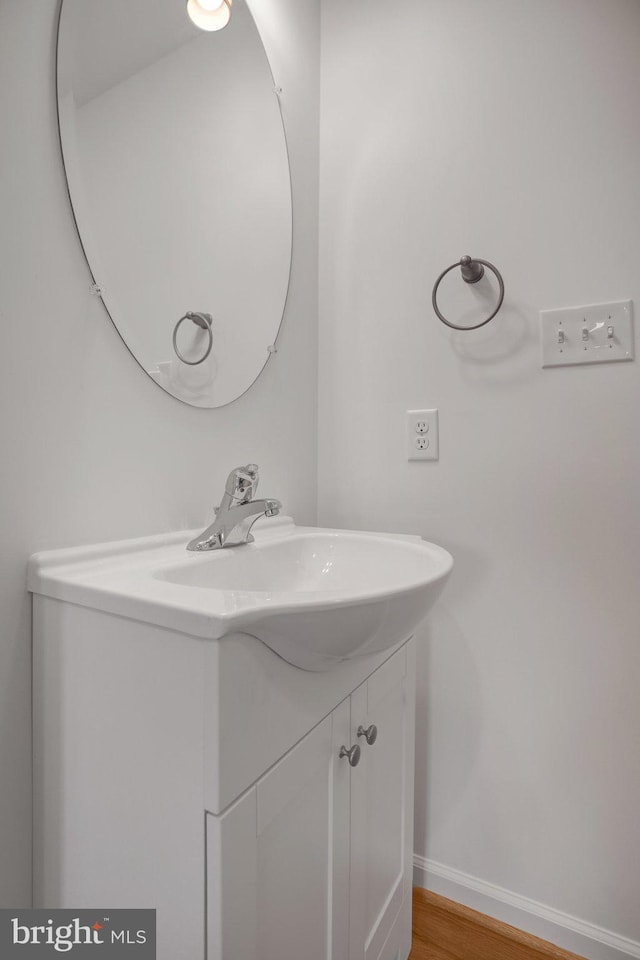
(203, 320)
(472, 271)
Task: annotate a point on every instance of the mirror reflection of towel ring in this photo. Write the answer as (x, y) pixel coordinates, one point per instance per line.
(202, 320)
(472, 270)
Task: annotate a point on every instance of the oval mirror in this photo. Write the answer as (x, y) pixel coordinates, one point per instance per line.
(177, 169)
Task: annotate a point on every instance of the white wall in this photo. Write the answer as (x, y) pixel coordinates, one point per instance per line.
(92, 449)
(507, 129)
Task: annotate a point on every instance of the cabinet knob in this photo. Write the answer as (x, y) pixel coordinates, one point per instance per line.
(370, 734)
(352, 755)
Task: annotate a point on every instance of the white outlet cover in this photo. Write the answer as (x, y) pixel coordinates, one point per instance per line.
(597, 333)
(422, 442)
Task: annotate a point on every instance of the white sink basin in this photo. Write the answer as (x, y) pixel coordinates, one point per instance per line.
(314, 596)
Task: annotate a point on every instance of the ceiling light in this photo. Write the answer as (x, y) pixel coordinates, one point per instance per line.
(209, 14)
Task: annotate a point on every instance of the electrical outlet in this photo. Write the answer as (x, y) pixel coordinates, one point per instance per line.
(422, 434)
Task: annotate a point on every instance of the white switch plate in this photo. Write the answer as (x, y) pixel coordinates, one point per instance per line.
(598, 333)
(422, 434)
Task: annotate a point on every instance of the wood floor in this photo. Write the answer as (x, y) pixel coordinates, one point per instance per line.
(444, 930)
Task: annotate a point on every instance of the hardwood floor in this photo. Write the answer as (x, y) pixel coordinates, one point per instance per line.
(444, 930)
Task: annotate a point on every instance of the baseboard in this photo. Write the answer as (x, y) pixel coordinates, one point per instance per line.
(578, 936)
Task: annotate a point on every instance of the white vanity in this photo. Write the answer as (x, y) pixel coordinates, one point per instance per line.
(182, 765)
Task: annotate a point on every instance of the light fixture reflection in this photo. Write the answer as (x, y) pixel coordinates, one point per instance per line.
(210, 14)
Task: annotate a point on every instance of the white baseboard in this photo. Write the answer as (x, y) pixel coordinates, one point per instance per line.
(565, 931)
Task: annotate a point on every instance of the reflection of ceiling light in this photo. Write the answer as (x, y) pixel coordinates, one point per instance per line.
(210, 14)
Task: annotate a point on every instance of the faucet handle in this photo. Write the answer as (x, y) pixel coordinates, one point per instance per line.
(242, 483)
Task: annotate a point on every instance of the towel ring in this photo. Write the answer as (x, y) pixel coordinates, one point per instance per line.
(203, 320)
(472, 271)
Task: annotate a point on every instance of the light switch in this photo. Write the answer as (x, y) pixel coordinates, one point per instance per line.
(598, 333)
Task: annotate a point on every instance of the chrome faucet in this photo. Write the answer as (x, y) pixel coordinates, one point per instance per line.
(237, 513)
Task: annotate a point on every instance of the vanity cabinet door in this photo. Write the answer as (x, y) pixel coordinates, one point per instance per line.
(278, 860)
(382, 811)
